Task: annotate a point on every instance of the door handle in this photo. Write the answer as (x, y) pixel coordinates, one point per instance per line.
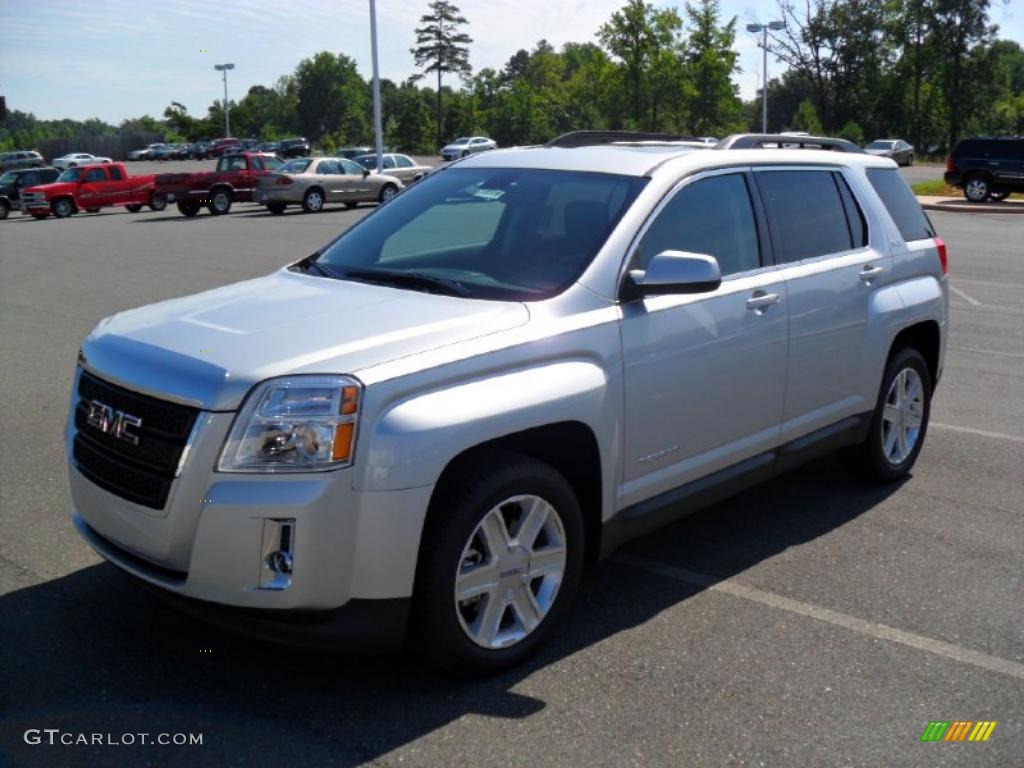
(760, 302)
(870, 272)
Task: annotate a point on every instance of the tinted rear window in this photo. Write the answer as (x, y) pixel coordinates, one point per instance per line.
(901, 203)
(806, 214)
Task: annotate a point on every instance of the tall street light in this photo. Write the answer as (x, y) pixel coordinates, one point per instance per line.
(227, 121)
(379, 143)
(774, 26)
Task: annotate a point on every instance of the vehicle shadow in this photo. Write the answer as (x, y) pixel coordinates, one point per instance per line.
(94, 653)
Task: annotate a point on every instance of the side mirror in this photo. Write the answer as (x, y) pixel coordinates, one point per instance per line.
(672, 272)
(366, 173)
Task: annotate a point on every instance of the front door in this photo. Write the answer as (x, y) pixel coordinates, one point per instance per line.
(704, 373)
(92, 191)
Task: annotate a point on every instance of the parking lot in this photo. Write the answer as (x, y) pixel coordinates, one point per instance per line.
(810, 621)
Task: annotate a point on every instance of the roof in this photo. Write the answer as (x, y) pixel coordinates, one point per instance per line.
(644, 160)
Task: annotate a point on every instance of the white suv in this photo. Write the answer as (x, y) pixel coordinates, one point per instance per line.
(424, 430)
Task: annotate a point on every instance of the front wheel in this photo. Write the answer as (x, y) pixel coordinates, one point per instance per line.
(134, 207)
(313, 201)
(5, 209)
(900, 420)
(157, 201)
(276, 208)
(977, 189)
(188, 208)
(500, 562)
(62, 208)
(92, 210)
(388, 192)
(220, 202)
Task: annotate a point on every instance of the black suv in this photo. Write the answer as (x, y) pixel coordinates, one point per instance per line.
(987, 169)
(293, 148)
(12, 182)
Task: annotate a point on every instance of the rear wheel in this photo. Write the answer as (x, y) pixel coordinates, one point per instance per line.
(977, 189)
(5, 209)
(220, 202)
(900, 420)
(62, 208)
(276, 208)
(134, 207)
(387, 192)
(188, 208)
(313, 200)
(157, 201)
(500, 562)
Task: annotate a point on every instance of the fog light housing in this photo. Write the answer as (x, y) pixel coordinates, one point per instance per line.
(277, 559)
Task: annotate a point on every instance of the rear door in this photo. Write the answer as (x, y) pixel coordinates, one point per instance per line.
(337, 187)
(358, 185)
(820, 239)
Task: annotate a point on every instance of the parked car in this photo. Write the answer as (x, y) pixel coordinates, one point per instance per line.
(429, 425)
(987, 168)
(352, 152)
(400, 166)
(896, 149)
(234, 180)
(12, 182)
(312, 182)
(89, 188)
(297, 147)
(75, 159)
(145, 153)
(200, 150)
(222, 146)
(270, 146)
(27, 158)
(467, 145)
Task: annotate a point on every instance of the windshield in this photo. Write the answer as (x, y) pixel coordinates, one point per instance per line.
(463, 140)
(71, 174)
(369, 162)
(880, 145)
(8, 178)
(498, 233)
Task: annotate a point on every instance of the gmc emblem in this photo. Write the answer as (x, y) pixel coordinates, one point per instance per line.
(113, 422)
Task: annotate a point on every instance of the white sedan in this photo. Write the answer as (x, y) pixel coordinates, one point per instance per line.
(78, 158)
(467, 145)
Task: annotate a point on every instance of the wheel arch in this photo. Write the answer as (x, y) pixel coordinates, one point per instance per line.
(926, 338)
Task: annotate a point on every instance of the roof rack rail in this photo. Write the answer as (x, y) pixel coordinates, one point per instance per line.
(594, 138)
(786, 141)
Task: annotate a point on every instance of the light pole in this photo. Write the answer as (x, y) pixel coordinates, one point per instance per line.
(379, 143)
(755, 28)
(227, 121)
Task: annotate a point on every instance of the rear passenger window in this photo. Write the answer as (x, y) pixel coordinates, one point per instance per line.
(96, 174)
(116, 175)
(712, 216)
(806, 214)
(854, 215)
(901, 204)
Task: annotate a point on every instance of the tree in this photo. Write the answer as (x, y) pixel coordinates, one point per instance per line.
(715, 106)
(331, 98)
(441, 48)
(960, 25)
(806, 119)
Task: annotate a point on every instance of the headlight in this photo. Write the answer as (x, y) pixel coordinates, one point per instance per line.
(294, 424)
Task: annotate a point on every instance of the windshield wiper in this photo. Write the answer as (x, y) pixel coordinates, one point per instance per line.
(310, 264)
(414, 280)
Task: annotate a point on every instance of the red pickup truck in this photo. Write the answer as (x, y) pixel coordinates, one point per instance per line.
(89, 188)
(235, 180)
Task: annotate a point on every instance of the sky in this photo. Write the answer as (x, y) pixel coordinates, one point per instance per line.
(115, 59)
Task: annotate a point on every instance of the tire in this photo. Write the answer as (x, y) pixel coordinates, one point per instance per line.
(75, 165)
(313, 200)
(998, 196)
(350, 206)
(387, 192)
(465, 153)
(910, 160)
(92, 210)
(884, 457)
(188, 208)
(455, 635)
(41, 215)
(220, 202)
(157, 201)
(134, 207)
(276, 208)
(5, 209)
(977, 189)
(62, 207)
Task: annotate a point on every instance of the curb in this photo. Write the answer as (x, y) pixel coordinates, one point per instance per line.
(959, 205)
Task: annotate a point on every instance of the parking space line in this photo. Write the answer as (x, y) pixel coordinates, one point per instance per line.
(980, 432)
(985, 351)
(852, 623)
(964, 296)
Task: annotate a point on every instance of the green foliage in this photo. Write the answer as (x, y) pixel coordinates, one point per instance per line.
(441, 48)
(851, 131)
(806, 119)
(331, 98)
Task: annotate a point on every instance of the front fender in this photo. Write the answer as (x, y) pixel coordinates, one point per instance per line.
(413, 440)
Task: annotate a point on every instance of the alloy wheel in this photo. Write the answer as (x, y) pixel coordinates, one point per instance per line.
(902, 416)
(976, 190)
(314, 201)
(510, 571)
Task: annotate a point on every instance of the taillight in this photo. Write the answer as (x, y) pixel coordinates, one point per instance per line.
(940, 246)
(284, 180)
(949, 164)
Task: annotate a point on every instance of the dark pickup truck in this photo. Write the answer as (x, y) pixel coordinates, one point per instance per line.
(12, 182)
(235, 180)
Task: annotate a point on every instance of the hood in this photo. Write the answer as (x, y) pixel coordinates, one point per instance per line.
(53, 188)
(211, 348)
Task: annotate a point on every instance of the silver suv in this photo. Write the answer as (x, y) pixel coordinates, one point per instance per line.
(424, 430)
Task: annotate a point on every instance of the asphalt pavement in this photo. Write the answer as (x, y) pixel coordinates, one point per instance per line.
(810, 621)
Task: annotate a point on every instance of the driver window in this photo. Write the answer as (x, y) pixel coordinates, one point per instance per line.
(712, 216)
(96, 174)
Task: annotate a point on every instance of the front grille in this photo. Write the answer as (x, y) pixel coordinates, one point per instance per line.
(140, 473)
